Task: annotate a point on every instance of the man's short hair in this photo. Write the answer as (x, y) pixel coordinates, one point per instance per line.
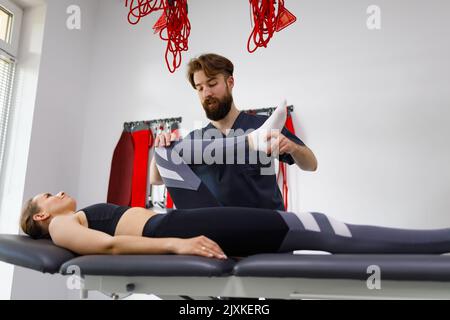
(212, 64)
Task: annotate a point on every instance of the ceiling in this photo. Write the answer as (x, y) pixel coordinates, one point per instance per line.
(28, 3)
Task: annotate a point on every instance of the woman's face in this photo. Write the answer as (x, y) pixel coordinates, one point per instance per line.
(55, 204)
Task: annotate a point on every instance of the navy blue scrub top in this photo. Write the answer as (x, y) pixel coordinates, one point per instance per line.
(242, 185)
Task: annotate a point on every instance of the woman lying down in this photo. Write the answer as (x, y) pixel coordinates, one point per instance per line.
(212, 232)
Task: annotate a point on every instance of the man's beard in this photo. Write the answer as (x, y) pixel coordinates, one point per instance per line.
(220, 107)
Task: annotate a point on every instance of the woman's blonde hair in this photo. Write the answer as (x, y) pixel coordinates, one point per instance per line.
(28, 225)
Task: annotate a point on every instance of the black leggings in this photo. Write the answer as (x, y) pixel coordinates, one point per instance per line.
(247, 231)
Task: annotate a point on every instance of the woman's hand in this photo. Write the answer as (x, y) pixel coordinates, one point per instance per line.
(200, 246)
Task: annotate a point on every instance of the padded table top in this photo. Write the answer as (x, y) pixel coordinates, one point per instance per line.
(347, 266)
(40, 255)
(150, 265)
(44, 256)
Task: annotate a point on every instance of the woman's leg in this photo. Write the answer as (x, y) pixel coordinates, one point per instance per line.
(316, 231)
(185, 187)
(238, 231)
(246, 231)
(233, 150)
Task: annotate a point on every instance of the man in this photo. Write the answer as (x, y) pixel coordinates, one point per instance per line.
(211, 76)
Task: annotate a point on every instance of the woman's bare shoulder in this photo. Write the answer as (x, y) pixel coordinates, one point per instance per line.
(67, 221)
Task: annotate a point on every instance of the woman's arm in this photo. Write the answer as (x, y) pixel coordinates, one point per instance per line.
(69, 234)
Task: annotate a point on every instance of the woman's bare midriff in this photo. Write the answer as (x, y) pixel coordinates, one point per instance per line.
(131, 223)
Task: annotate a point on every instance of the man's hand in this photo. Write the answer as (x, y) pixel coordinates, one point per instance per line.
(199, 246)
(279, 144)
(165, 139)
(302, 155)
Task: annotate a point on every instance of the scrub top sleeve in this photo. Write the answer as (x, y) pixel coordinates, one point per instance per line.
(287, 158)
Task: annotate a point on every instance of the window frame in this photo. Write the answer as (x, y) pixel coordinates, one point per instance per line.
(12, 47)
(4, 135)
(9, 52)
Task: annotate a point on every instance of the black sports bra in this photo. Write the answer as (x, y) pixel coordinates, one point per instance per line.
(104, 216)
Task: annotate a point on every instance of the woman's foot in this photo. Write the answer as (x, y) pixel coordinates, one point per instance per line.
(259, 139)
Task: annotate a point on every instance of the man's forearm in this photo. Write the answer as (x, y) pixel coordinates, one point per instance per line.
(304, 158)
(155, 177)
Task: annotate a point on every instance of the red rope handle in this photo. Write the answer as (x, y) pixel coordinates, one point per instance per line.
(266, 20)
(173, 25)
(176, 32)
(283, 170)
(264, 23)
(142, 8)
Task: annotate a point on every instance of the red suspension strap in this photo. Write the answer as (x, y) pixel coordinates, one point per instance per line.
(284, 18)
(267, 19)
(142, 8)
(173, 26)
(263, 12)
(283, 167)
(177, 31)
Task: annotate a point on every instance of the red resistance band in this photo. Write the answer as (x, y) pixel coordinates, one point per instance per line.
(266, 21)
(150, 145)
(169, 201)
(178, 29)
(173, 26)
(283, 168)
(142, 8)
(141, 139)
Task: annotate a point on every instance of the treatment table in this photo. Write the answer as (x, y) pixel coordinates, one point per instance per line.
(272, 276)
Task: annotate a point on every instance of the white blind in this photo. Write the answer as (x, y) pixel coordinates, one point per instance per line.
(7, 67)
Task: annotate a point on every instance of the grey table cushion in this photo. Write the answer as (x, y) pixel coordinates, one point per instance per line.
(347, 266)
(150, 265)
(40, 255)
(44, 256)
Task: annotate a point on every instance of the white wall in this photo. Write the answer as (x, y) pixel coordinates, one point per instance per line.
(374, 108)
(130, 81)
(26, 80)
(372, 105)
(56, 142)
